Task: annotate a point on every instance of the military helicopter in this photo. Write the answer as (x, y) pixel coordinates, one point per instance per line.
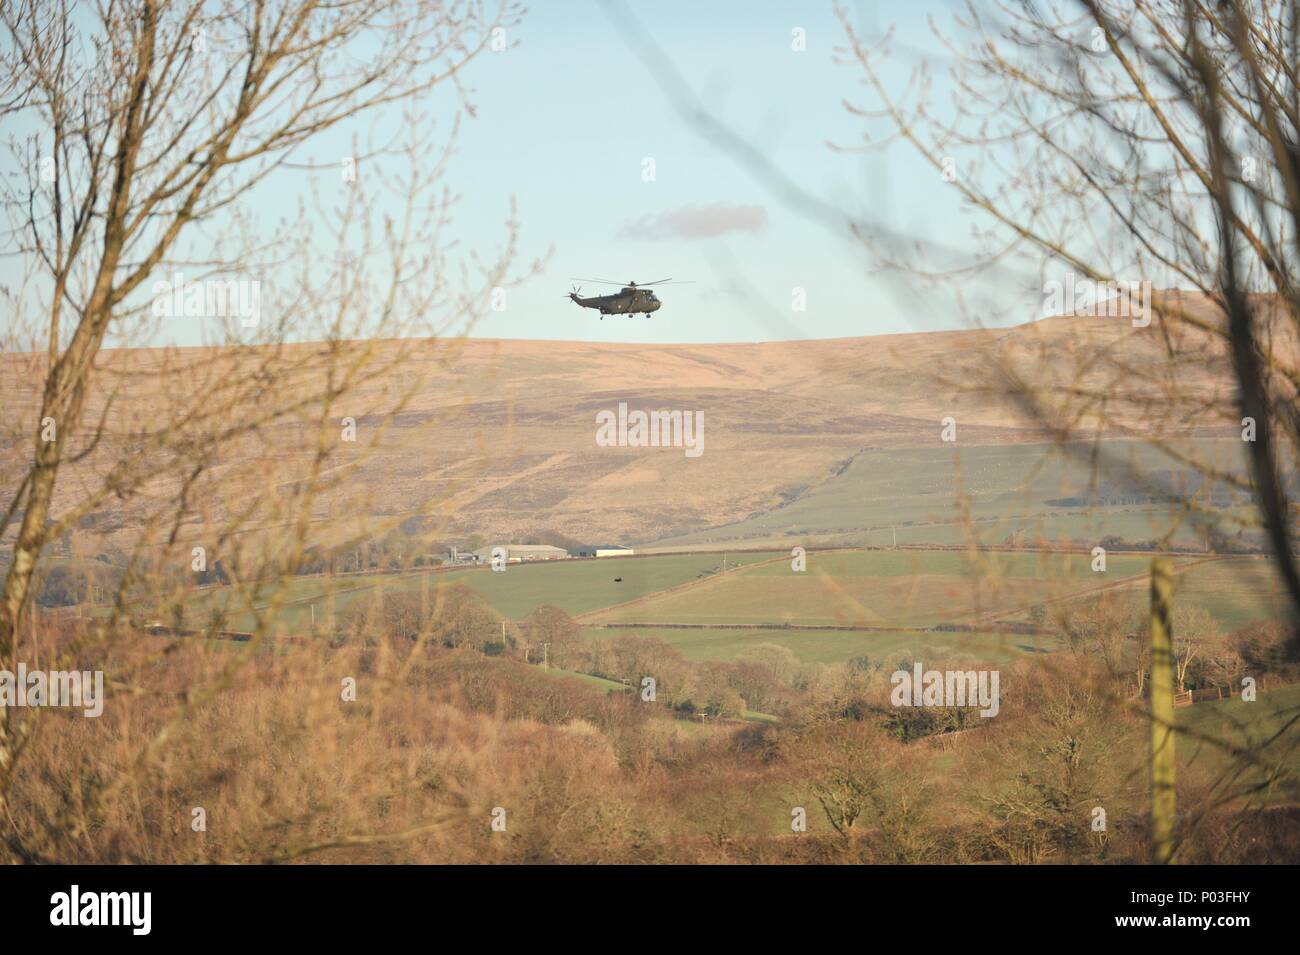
(630, 299)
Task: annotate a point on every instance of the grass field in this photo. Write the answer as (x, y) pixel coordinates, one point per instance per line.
(892, 589)
(914, 491)
(901, 594)
(576, 586)
(1236, 591)
(580, 586)
(295, 596)
(834, 646)
(1246, 725)
(596, 682)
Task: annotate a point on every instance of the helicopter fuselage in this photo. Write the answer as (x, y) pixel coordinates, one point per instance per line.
(624, 302)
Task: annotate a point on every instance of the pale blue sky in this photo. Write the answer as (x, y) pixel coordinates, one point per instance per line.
(566, 117)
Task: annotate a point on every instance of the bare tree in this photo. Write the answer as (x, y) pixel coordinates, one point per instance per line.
(146, 140)
(1111, 147)
(1197, 637)
(1100, 627)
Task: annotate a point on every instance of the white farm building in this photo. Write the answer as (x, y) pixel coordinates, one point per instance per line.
(604, 550)
(521, 552)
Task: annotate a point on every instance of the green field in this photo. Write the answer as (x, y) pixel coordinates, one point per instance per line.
(294, 597)
(834, 646)
(580, 586)
(896, 598)
(1236, 591)
(596, 682)
(912, 493)
(576, 586)
(891, 589)
(1248, 726)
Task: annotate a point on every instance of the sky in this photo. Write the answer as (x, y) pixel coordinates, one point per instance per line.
(568, 118)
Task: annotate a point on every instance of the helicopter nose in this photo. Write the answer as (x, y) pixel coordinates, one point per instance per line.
(657, 306)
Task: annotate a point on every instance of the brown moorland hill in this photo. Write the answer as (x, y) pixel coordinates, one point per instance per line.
(497, 437)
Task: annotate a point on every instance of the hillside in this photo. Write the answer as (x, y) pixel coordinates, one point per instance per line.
(497, 439)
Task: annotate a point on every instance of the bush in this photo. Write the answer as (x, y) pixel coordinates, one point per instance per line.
(1263, 647)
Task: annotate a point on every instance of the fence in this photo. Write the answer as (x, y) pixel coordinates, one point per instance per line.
(1211, 693)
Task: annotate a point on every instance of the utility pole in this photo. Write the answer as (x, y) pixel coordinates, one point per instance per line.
(1162, 713)
(893, 531)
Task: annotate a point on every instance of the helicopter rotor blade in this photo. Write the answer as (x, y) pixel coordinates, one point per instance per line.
(637, 284)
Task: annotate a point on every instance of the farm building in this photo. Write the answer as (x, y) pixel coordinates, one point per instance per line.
(604, 550)
(521, 552)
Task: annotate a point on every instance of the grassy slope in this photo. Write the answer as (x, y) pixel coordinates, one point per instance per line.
(1236, 591)
(831, 646)
(914, 490)
(891, 589)
(1245, 725)
(577, 586)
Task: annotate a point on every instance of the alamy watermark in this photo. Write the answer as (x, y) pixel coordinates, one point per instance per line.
(1085, 296)
(64, 688)
(130, 909)
(651, 429)
(209, 298)
(922, 687)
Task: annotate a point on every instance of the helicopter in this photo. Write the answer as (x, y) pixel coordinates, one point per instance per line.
(630, 299)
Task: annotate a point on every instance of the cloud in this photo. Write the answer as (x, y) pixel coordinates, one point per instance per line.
(704, 221)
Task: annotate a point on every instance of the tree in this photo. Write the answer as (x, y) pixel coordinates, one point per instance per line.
(1065, 763)
(144, 138)
(847, 778)
(66, 585)
(392, 614)
(61, 587)
(1100, 626)
(1262, 647)
(550, 625)
(780, 661)
(756, 685)
(462, 618)
(1196, 637)
(866, 783)
(1107, 147)
(712, 691)
(635, 657)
